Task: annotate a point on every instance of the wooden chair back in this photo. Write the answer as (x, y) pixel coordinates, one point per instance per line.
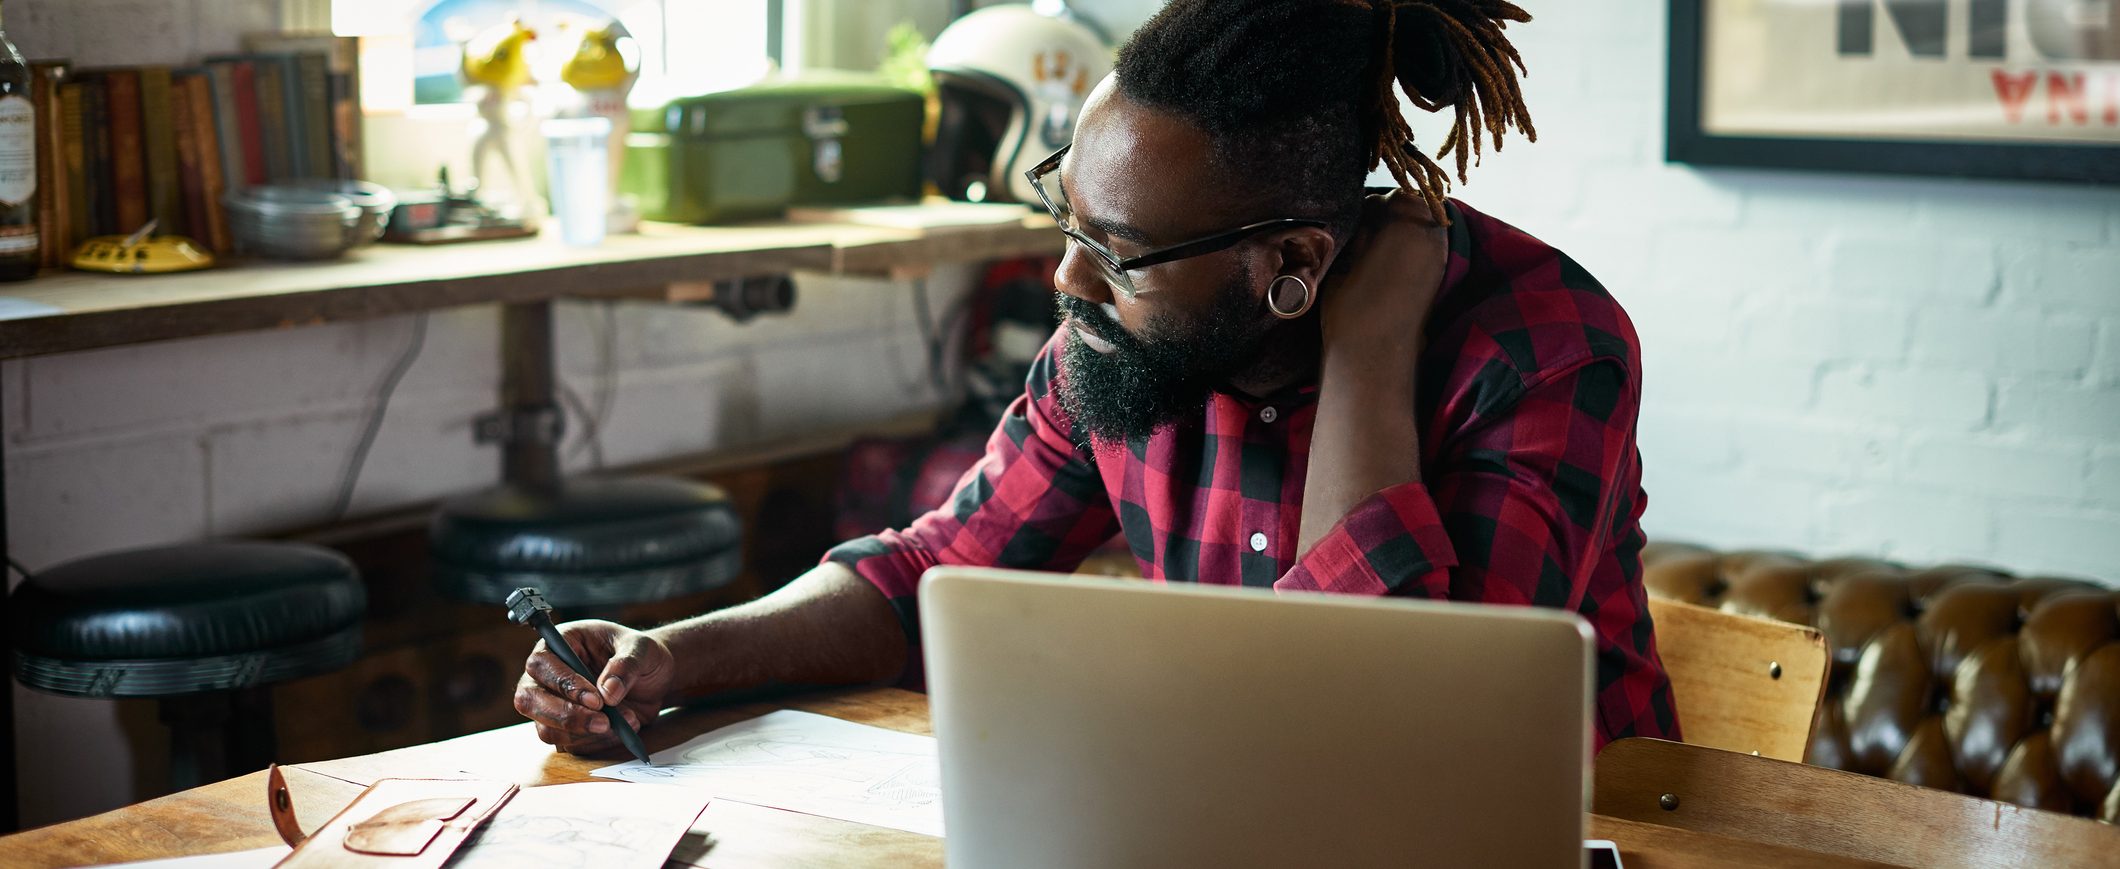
(1741, 683)
(1834, 812)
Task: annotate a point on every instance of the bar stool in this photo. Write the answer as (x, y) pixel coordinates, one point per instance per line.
(590, 543)
(202, 628)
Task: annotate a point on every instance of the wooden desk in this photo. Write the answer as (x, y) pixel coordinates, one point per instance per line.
(230, 815)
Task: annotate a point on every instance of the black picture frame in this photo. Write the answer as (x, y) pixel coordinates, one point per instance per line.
(1686, 142)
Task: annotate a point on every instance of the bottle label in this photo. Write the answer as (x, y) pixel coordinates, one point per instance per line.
(18, 239)
(18, 150)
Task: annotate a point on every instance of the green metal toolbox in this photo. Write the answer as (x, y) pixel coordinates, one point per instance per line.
(752, 152)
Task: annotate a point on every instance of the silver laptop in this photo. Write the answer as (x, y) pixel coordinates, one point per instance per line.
(1112, 723)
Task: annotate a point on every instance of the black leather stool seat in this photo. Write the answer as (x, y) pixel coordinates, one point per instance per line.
(593, 542)
(173, 620)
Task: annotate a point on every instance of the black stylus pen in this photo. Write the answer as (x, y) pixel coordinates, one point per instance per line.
(527, 607)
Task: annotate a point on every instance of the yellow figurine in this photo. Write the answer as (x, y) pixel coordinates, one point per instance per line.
(501, 65)
(504, 65)
(599, 73)
(597, 64)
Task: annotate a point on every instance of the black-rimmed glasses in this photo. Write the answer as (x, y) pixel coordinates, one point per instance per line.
(1114, 267)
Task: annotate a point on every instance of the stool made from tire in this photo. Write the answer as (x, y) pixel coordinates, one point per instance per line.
(200, 627)
(592, 543)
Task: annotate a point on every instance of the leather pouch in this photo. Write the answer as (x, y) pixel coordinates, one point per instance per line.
(400, 823)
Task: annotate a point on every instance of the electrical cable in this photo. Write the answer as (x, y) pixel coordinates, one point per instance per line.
(935, 335)
(606, 388)
(606, 372)
(941, 337)
(592, 429)
(923, 321)
(381, 408)
(953, 326)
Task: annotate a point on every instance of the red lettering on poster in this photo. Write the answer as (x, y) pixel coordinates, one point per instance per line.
(2112, 99)
(2065, 91)
(2014, 91)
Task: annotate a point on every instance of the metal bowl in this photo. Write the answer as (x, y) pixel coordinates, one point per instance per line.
(374, 200)
(291, 222)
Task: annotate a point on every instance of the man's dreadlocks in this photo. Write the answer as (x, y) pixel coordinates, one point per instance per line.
(1297, 96)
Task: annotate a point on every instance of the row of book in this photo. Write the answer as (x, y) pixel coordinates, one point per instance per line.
(118, 147)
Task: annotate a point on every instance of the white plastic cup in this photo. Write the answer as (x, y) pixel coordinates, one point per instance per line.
(579, 177)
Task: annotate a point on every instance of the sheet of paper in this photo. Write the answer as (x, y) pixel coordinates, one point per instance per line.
(256, 858)
(808, 763)
(609, 826)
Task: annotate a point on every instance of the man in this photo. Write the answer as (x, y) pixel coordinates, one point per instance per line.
(1263, 377)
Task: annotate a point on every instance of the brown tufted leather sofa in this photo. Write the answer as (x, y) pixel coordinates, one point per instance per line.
(1961, 678)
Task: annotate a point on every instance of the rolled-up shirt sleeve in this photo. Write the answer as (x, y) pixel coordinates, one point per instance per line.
(1519, 508)
(1034, 501)
(1390, 542)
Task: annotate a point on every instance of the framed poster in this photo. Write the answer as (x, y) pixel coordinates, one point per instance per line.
(2023, 89)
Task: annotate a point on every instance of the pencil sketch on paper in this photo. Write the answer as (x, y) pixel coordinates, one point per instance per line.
(582, 825)
(809, 763)
(554, 840)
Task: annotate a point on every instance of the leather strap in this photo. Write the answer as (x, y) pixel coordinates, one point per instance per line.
(281, 804)
(405, 829)
(397, 823)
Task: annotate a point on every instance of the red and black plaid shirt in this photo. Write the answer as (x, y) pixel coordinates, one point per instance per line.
(1530, 493)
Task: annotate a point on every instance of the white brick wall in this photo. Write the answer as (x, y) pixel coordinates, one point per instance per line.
(2105, 470)
(1897, 269)
(1923, 369)
(1980, 339)
(1913, 398)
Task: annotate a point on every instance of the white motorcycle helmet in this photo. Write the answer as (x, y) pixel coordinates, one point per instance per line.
(1011, 82)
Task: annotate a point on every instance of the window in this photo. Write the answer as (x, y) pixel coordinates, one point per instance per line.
(411, 48)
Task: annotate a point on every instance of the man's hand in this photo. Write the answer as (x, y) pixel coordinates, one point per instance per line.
(827, 627)
(1380, 289)
(635, 673)
(1376, 302)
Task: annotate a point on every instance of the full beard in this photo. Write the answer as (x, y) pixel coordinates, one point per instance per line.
(1153, 380)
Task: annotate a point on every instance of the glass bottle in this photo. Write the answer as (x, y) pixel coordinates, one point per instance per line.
(18, 167)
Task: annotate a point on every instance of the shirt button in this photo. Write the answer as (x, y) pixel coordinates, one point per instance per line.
(1269, 415)
(1258, 542)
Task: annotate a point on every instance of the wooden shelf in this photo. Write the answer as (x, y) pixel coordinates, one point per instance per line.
(68, 311)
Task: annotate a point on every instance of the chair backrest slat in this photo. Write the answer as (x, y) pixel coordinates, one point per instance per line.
(1740, 683)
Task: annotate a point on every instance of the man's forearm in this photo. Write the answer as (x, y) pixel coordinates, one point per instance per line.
(828, 627)
(1365, 438)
